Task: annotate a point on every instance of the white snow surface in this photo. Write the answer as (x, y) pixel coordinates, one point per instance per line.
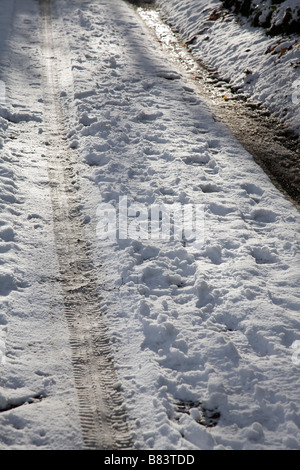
(263, 68)
(207, 329)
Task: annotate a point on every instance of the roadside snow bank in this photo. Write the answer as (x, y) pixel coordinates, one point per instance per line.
(275, 16)
(264, 68)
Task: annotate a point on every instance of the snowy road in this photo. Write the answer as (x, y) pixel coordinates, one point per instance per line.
(193, 342)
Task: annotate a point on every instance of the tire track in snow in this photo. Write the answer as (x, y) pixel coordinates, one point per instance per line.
(103, 419)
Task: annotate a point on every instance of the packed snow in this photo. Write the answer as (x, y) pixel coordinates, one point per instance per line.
(204, 332)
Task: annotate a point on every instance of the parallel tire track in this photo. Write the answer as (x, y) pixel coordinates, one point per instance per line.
(102, 415)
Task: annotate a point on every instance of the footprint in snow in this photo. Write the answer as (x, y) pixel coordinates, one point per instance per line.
(7, 284)
(7, 234)
(253, 191)
(210, 188)
(145, 117)
(260, 345)
(214, 253)
(204, 296)
(220, 210)
(263, 255)
(168, 75)
(197, 159)
(264, 216)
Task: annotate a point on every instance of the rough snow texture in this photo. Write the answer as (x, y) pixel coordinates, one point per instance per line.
(266, 69)
(38, 401)
(202, 337)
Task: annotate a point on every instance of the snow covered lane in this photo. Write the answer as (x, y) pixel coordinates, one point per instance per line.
(203, 335)
(38, 401)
